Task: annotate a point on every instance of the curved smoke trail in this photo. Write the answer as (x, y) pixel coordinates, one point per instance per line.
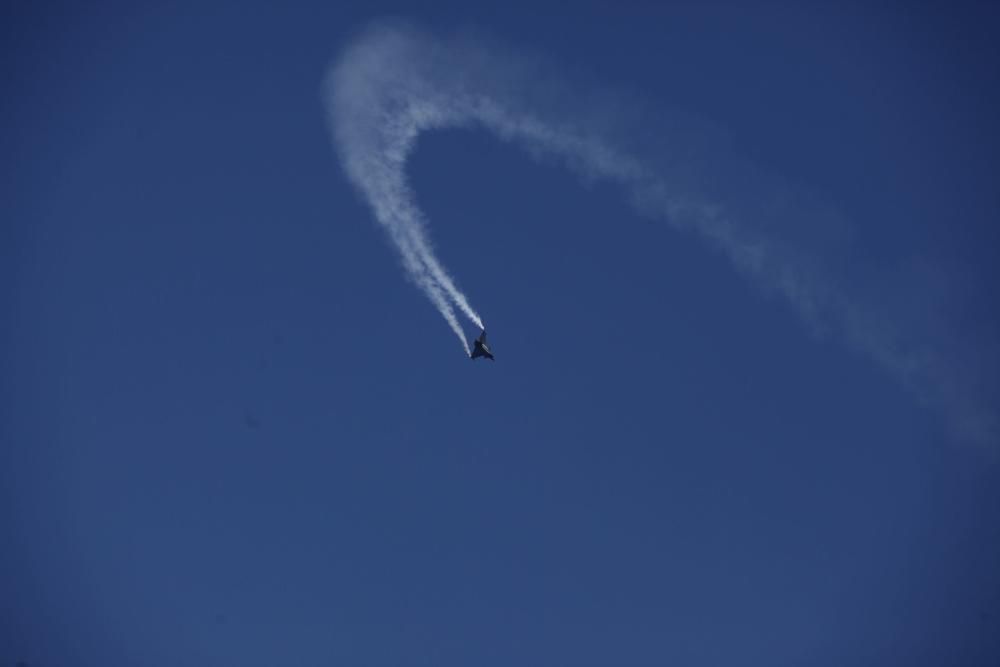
(394, 82)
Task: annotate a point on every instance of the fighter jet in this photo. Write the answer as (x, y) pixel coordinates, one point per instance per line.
(480, 348)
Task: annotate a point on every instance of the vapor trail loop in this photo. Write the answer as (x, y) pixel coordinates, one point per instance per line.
(393, 83)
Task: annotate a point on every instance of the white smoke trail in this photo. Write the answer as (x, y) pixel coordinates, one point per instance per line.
(394, 82)
(376, 116)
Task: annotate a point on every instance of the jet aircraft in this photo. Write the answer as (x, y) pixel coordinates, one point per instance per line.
(480, 348)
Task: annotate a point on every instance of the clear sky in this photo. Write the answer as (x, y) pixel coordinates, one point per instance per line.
(233, 433)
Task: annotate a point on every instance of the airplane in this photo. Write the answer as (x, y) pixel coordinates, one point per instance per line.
(480, 348)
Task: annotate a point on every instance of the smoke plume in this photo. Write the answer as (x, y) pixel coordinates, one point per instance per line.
(394, 82)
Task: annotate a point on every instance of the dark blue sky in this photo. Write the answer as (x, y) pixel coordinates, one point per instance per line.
(231, 433)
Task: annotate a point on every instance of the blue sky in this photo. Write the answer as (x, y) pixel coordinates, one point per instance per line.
(233, 433)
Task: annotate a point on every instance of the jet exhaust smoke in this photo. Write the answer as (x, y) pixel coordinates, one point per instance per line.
(394, 82)
(378, 106)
